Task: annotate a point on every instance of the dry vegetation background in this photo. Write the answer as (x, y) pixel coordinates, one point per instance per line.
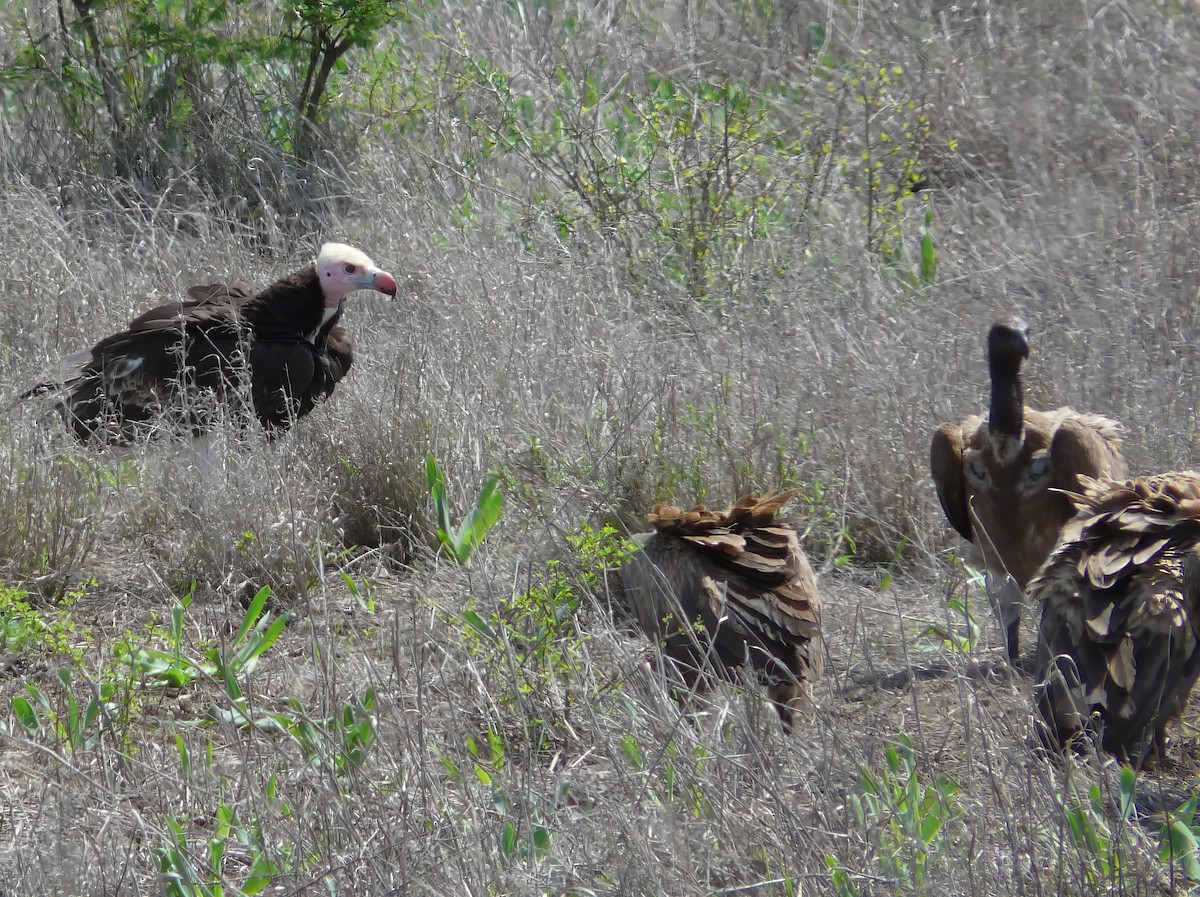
(647, 252)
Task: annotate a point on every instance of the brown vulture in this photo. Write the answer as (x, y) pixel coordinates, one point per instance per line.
(1119, 641)
(720, 590)
(999, 478)
(281, 346)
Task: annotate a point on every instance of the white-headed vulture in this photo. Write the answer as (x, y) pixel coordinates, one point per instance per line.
(280, 347)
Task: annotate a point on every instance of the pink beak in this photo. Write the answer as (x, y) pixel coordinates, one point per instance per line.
(384, 283)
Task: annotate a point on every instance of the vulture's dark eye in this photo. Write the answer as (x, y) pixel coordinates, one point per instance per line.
(349, 268)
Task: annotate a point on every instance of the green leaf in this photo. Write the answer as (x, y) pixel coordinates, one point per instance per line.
(437, 491)
(361, 595)
(629, 747)
(26, 715)
(500, 802)
(263, 642)
(252, 613)
(867, 783)
(842, 884)
(163, 670)
(930, 826)
(1179, 843)
(480, 520)
(91, 714)
(508, 840)
(256, 883)
(448, 543)
(893, 758)
(1127, 786)
(177, 623)
(185, 757)
(479, 624)
(524, 107)
(216, 852)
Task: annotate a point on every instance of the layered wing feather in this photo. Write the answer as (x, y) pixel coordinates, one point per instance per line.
(132, 377)
(1121, 611)
(1085, 445)
(946, 464)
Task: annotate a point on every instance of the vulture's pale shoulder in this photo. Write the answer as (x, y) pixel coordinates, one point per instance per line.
(1108, 428)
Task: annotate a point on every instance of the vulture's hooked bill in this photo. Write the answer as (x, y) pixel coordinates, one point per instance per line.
(724, 589)
(1118, 648)
(282, 346)
(999, 478)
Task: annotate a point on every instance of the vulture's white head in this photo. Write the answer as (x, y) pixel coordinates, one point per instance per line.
(343, 269)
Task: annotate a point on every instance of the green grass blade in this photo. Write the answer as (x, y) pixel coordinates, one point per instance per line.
(928, 252)
(254, 647)
(479, 624)
(480, 520)
(1128, 788)
(437, 491)
(252, 613)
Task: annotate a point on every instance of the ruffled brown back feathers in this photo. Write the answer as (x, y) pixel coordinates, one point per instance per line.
(724, 589)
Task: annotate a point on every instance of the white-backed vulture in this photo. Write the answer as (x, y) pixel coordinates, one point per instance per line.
(721, 590)
(1118, 641)
(998, 478)
(280, 347)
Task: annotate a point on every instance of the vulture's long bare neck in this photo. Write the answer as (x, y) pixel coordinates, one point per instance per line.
(1006, 415)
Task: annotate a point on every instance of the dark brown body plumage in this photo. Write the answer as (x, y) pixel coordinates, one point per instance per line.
(1120, 627)
(173, 362)
(999, 478)
(721, 590)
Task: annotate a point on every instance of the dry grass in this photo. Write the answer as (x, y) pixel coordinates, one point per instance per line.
(574, 364)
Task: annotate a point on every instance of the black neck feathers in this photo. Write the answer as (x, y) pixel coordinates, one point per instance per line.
(1008, 347)
(293, 307)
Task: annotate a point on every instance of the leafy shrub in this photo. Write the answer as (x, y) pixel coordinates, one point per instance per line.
(199, 96)
(911, 824)
(25, 628)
